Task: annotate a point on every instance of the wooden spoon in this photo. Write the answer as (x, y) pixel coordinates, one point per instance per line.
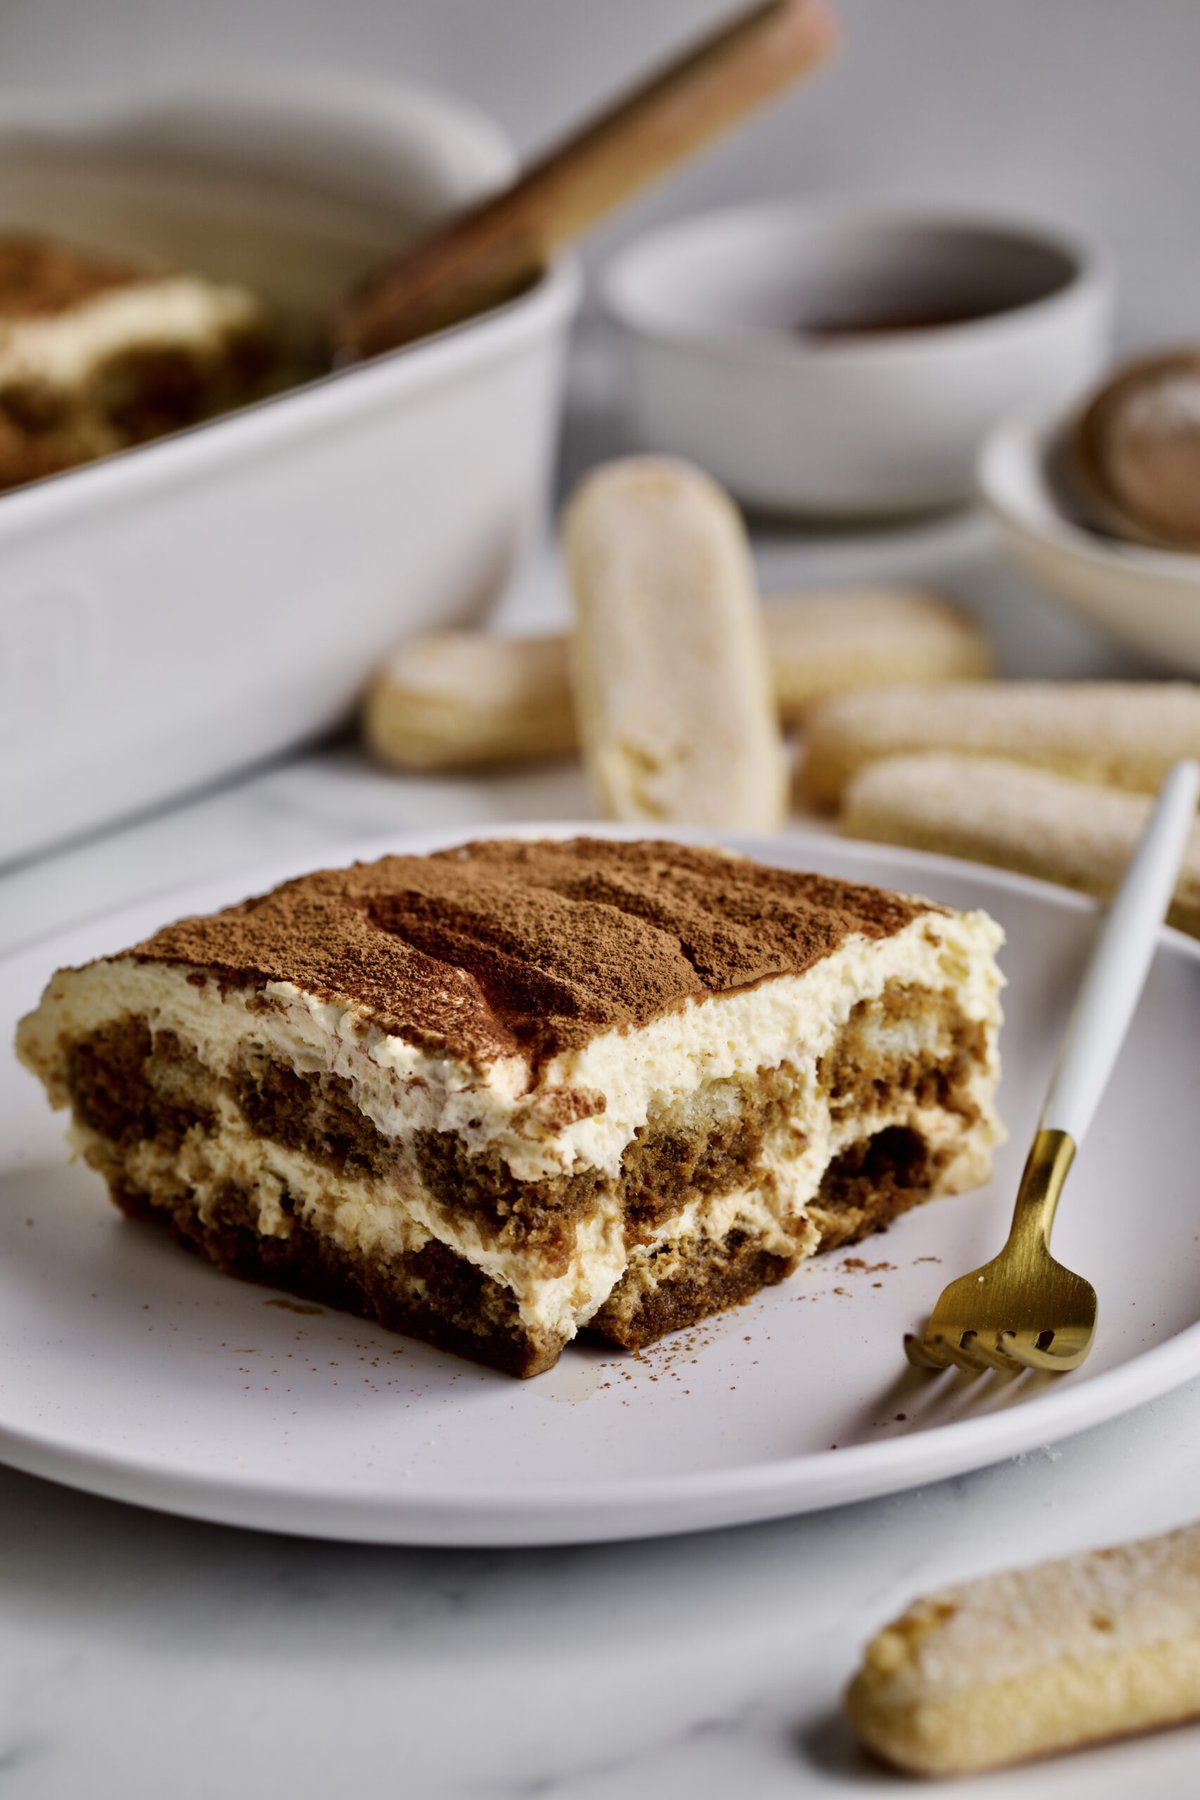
(1134, 452)
(497, 249)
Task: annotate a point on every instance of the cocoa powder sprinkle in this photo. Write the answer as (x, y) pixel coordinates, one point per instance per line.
(40, 278)
(506, 947)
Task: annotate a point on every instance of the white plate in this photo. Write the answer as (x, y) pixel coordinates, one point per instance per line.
(134, 1371)
(1145, 598)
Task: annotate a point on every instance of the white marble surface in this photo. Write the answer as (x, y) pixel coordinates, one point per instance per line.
(143, 1656)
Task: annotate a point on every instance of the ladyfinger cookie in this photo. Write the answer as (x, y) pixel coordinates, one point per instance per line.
(1036, 1660)
(1121, 734)
(458, 699)
(824, 643)
(1014, 817)
(672, 691)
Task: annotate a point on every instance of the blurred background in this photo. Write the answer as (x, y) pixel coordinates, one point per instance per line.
(1076, 114)
(1084, 110)
(186, 661)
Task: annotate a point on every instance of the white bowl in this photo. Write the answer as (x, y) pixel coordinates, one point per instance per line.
(180, 610)
(1148, 599)
(717, 370)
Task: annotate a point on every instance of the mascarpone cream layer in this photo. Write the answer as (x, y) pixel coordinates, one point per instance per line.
(584, 1107)
(64, 350)
(377, 1219)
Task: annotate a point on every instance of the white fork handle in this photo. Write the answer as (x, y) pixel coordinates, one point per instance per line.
(1121, 960)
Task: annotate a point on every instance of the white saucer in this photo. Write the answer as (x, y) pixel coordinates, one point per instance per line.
(1146, 598)
(131, 1370)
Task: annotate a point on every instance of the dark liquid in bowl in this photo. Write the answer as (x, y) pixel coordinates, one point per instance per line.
(887, 324)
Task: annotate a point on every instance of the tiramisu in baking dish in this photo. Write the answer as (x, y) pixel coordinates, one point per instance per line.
(495, 1095)
(98, 353)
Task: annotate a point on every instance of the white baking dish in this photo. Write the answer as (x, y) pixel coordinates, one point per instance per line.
(180, 610)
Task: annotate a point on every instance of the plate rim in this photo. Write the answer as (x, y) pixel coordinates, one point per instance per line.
(597, 1511)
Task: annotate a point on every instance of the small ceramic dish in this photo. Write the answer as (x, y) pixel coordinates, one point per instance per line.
(847, 359)
(1146, 598)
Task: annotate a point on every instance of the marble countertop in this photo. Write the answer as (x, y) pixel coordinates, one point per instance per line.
(142, 1655)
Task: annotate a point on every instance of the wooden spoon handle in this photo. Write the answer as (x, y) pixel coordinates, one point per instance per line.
(496, 249)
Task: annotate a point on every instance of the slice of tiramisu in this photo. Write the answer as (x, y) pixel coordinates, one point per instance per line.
(97, 353)
(498, 1094)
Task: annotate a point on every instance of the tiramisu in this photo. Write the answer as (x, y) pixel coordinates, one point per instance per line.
(97, 353)
(495, 1095)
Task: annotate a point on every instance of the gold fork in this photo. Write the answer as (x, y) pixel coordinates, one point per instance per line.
(1023, 1310)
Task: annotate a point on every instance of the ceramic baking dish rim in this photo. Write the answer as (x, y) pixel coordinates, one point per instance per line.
(318, 405)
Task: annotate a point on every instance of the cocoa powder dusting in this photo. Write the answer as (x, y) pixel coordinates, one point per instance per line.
(39, 277)
(505, 947)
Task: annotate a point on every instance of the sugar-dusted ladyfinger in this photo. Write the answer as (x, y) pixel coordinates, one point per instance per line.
(453, 699)
(834, 641)
(1014, 817)
(1120, 734)
(1037, 1660)
(669, 663)
(458, 699)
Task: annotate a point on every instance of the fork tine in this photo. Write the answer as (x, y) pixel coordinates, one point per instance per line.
(936, 1350)
(972, 1352)
(926, 1352)
(999, 1356)
(1030, 1356)
(1023, 1354)
(962, 1362)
